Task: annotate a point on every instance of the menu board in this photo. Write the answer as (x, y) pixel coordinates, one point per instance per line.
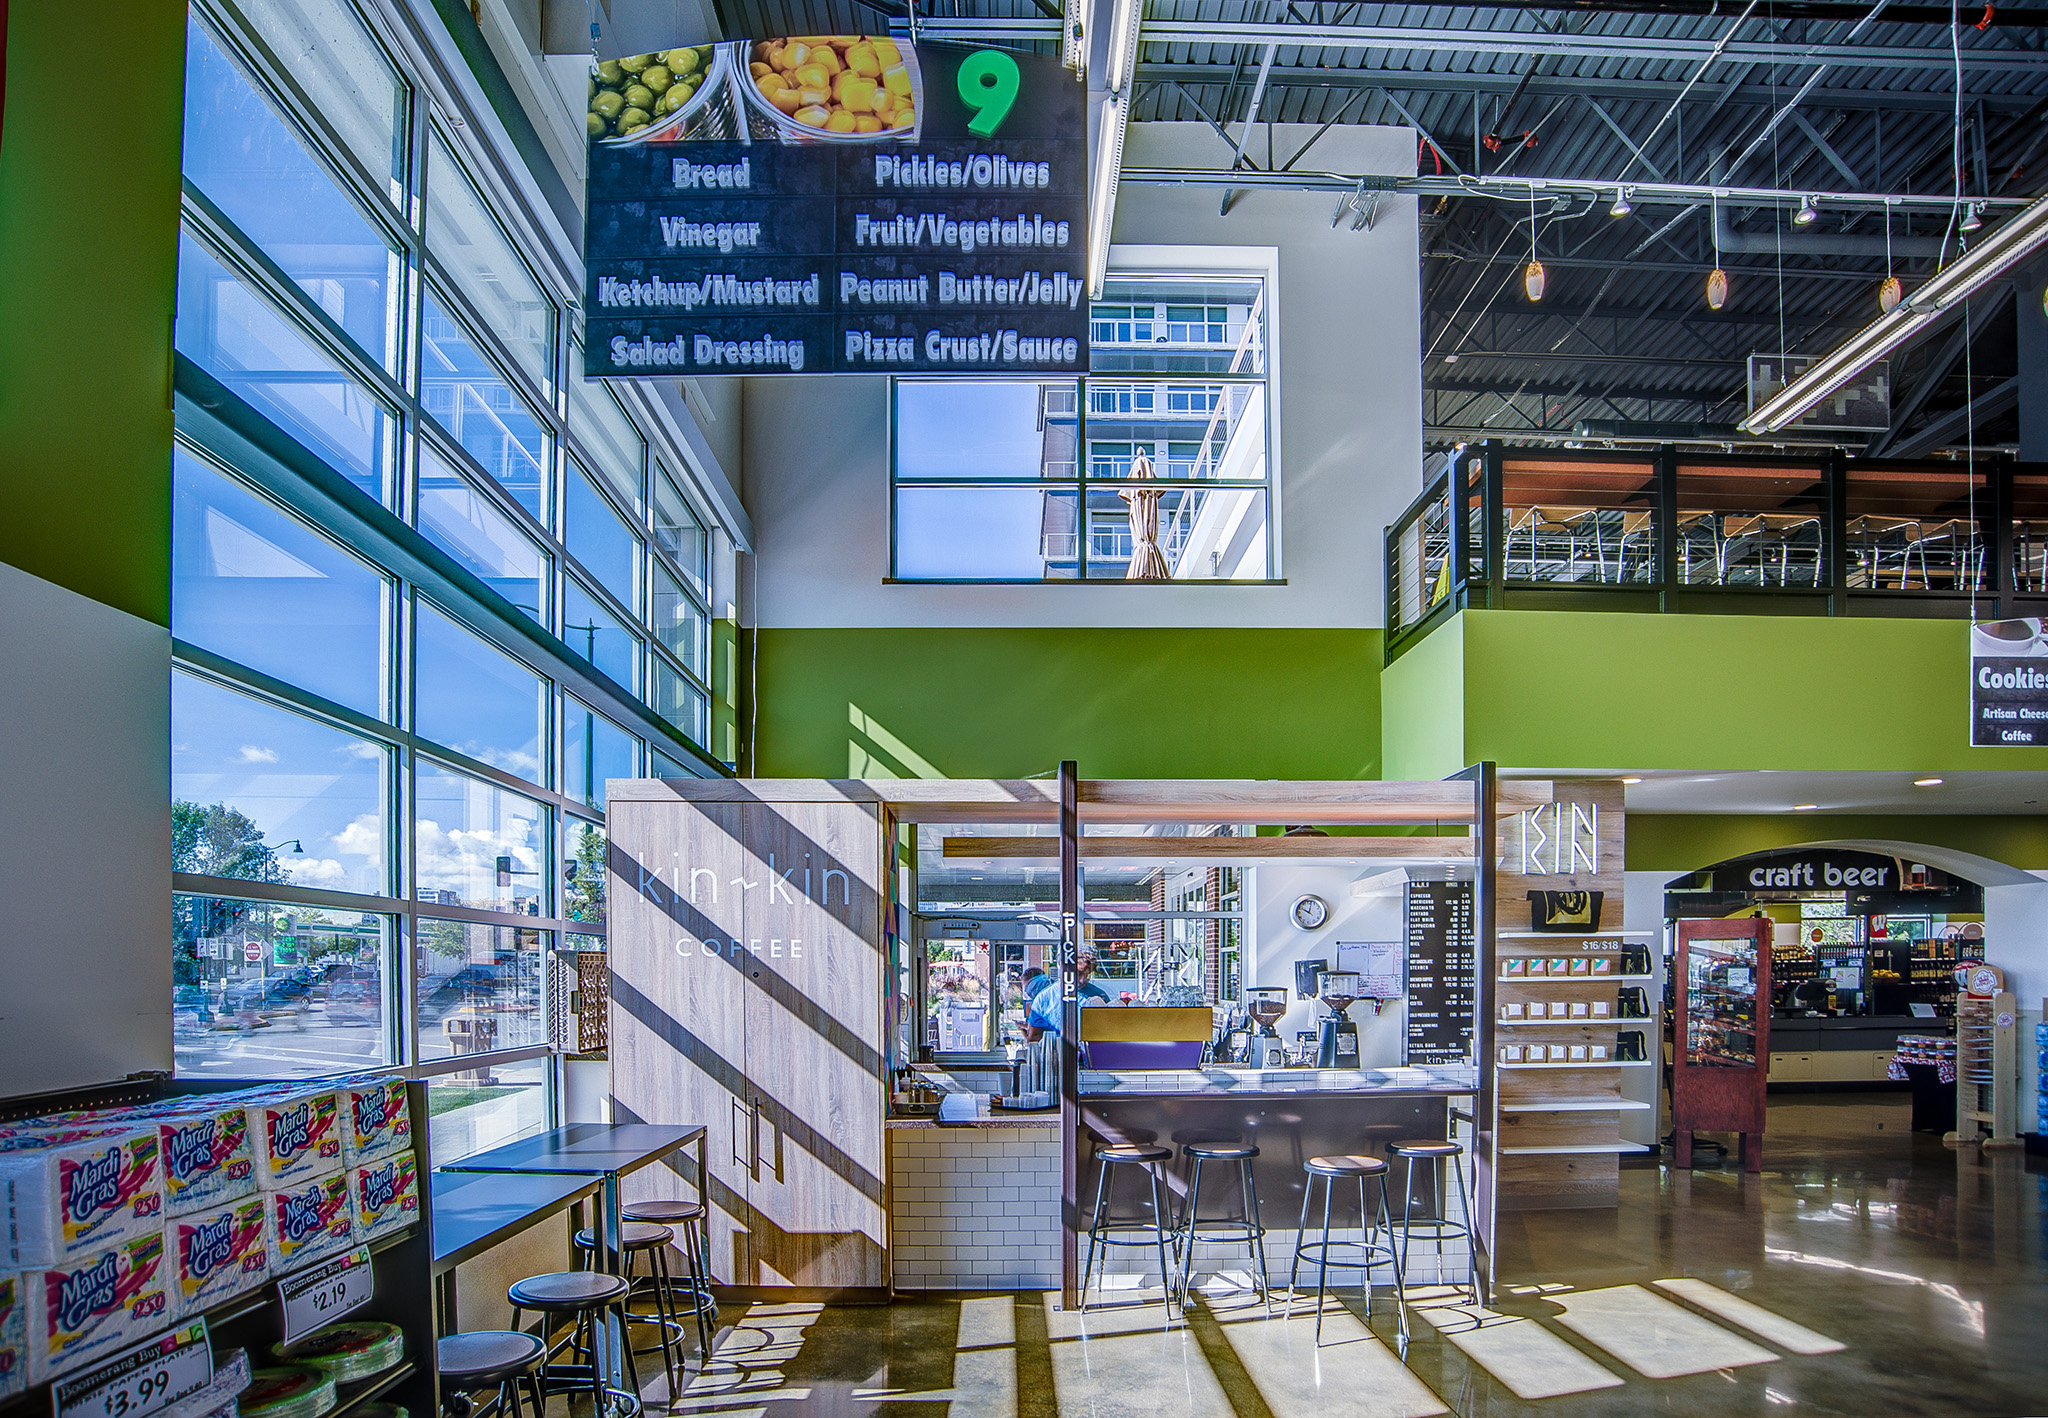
(835, 203)
(1442, 972)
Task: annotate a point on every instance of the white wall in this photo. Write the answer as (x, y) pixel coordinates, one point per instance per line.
(816, 449)
(1643, 910)
(85, 839)
(1276, 943)
(2016, 941)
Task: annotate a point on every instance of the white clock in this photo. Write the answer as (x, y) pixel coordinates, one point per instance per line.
(1311, 912)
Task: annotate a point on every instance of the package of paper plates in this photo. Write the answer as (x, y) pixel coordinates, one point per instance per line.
(348, 1349)
(288, 1391)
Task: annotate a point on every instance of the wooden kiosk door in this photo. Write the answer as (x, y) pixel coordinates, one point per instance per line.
(1721, 1044)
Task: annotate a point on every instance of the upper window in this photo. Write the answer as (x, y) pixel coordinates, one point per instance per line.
(473, 249)
(344, 77)
(460, 520)
(476, 699)
(607, 435)
(467, 396)
(1112, 477)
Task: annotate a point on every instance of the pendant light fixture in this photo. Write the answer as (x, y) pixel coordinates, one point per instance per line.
(1622, 206)
(1891, 291)
(1717, 279)
(1532, 277)
(1807, 212)
(1973, 216)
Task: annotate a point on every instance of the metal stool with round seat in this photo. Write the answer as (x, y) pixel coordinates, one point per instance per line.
(689, 1294)
(1367, 1171)
(1432, 1153)
(488, 1359)
(589, 1298)
(1104, 1229)
(1221, 1230)
(644, 1238)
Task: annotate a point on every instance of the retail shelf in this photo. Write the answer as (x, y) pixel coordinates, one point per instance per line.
(1572, 979)
(1582, 1147)
(1574, 935)
(1583, 1105)
(1603, 1022)
(1587, 1063)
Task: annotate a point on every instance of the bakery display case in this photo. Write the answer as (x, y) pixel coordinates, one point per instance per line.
(1721, 1037)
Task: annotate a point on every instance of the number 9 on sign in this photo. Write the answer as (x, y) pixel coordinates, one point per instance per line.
(989, 80)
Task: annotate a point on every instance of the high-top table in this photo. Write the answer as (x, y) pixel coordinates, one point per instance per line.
(605, 1151)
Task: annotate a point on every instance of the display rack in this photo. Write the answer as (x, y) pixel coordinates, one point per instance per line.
(1987, 1059)
(401, 1261)
(1721, 1034)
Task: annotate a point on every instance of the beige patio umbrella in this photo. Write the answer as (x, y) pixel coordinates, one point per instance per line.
(1148, 563)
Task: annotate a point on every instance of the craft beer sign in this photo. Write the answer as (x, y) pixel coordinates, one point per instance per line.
(846, 203)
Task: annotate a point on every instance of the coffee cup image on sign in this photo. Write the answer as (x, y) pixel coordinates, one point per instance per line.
(666, 95)
(2009, 638)
(842, 88)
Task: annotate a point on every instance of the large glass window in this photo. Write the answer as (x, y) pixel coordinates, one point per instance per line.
(252, 166)
(472, 248)
(599, 537)
(477, 845)
(1107, 477)
(680, 702)
(678, 621)
(583, 873)
(594, 749)
(678, 532)
(233, 333)
(607, 435)
(263, 794)
(324, 53)
(599, 636)
(253, 583)
(263, 989)
(473, 1109)
(474, 698)
(470, 399)
(479, 988)
(460, 520)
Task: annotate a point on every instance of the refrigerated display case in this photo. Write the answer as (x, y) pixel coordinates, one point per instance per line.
(1721, 1034)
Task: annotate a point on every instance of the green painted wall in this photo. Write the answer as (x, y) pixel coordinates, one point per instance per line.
(1681, 842)
(88, 266)
(1587, 690)
(1140, 703)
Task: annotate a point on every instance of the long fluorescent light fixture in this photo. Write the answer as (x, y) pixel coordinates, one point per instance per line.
(1109, 163)
(1123, 42)
(1955, 282)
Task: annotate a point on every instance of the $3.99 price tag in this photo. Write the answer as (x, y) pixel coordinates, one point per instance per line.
(326, 1292)
(139, 1381)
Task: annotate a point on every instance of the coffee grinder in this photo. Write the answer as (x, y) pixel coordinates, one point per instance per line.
(1266, 1049)
(1337, 1046)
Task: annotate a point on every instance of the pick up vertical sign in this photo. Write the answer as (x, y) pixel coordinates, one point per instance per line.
(2009, 683)
(846, 203)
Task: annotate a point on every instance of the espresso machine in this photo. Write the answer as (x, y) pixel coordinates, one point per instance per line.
(1264, 1007)
(1337, 1044)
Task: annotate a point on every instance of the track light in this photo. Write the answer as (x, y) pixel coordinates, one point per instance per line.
(1973, 216)
(1622, 206)
(2010, 244)
(1807, 214)
(1532, 280)
(1717, 288)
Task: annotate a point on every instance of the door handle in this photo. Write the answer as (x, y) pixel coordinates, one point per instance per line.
(742, 1119)
(777, 1162)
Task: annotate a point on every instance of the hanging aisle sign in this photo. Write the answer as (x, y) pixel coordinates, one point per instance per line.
(2009, 683)
(848, 203)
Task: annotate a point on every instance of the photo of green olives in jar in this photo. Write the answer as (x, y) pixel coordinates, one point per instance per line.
(642, 90)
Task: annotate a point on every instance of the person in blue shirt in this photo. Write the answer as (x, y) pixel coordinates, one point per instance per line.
(1042, 1017)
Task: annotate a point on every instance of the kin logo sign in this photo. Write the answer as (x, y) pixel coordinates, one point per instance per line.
(1559, 839)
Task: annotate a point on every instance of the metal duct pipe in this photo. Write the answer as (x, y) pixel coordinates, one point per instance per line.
(1908, 14)
(1803, 243)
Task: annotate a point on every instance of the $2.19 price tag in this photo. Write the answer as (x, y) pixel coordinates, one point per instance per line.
(139, 1381)
(325, 1293)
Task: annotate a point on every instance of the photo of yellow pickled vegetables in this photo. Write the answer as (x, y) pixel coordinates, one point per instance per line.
(847, 85)
(639, 91)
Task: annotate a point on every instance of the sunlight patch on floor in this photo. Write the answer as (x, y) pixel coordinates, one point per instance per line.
(1653, 1336)
(1763, 1323)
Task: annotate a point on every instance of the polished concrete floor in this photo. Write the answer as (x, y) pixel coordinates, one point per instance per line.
(1867, 1271)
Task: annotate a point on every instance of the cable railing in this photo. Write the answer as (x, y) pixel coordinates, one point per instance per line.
(1669, 531)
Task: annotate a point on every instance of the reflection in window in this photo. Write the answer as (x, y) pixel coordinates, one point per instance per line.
(252, 166)
(678, 532)
(594, 749)
(254, 584)
(267, 990)
(677, 621)
(475, 698)
(349, 82)
(477, 845)
(238, 337)
(473, 1109)
(1171, 323)
(1000, 429)
(681, 702)
(985, 534)
(599, 636)
(461, 521)
(605, 432)
(468, 397)
(599, 538)
(583, 876)
(467, 241)
(264, 794)
(479, 988)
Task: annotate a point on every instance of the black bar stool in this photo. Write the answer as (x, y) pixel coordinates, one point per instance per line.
(1101, 1228)
(490, 1359)
(1222, 1230)
(688, 1220)
(1431, 1154)
(588, 1297)
(1365, 1170)
(644, 1238)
